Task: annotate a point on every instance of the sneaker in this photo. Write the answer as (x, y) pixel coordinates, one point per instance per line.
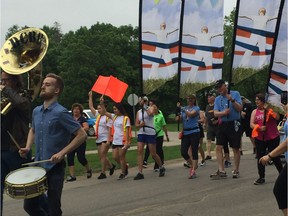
(71, 178)
(126, 169)
(144, 164)
(102, 176)
(227, 164)
(162, 171)
(111, 170)
(187, 165)
(122, 176)
(259, 181)
(192, 174)
(156, 170)
(218, 175)
(139, 176)
(208, 157)
(235, 174)
(203, 163)
(89, 173)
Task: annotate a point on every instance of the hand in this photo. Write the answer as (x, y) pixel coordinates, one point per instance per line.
(227, 111)
(264, 160)
(167, 138)
(56, 158)
(263, 128)
(126, 146)
(23, 152)
(90, 93)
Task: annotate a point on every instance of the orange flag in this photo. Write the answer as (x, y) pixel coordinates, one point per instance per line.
(111, 87)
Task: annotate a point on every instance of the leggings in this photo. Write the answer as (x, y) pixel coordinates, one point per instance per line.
(280, 189)
(187, 141)
(80, 155)
(261, 150)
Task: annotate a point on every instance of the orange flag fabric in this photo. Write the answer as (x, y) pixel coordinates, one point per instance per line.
(111, 87)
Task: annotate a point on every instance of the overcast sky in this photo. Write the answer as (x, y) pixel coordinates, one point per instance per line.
(71, 14)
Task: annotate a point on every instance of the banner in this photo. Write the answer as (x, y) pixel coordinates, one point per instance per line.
(279, 73)
(110, 86)
(254, 36)
(202, 45)
(159, 39)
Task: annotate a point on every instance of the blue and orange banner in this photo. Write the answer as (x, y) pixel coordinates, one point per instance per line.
(279, 71)
(159, 38)
(202, 45)
(254, 39)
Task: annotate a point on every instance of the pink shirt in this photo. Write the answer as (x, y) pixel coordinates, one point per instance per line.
(271, 126)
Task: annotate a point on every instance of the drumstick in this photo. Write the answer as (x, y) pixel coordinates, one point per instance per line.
(36, 162)
(13, 139)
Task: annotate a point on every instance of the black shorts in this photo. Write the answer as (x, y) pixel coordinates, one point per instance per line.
(98, 144)
(212, 132)
(229, 132)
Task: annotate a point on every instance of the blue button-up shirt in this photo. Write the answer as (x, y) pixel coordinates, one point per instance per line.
(53, 128)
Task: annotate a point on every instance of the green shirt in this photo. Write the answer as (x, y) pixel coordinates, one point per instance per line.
(159, 122)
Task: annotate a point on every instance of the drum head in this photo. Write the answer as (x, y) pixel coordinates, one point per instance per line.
(25, 175)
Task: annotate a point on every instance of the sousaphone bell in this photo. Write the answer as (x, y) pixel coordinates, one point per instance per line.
(23, 53)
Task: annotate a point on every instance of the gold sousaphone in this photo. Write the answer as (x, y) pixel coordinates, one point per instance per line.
(23, 53)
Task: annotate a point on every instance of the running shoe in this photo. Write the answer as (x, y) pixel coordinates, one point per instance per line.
(71, 178)
(102, 176)
(139, 176)
(187, 165)
(208, 157)
(121, 177)
(192, 174)
(227, 164)
(162, 171)
(112, 169)
(89, 173)
(218, 175)
(126, 169)
(203, 163)
(235, 174)
(259, 181)
(145, 164)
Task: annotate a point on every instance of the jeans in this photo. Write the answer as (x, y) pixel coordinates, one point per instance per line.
(10, 161)
(37, 206)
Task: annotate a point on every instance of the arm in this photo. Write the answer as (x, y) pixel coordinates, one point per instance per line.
(238, 106)
(91, 107)
(80, 137)
(245, 17)
(109, 115)
(190, 35)
(29, 143)
(138, 123)
(148, 32)
(216, 35)
(172, 32)
(252, 125)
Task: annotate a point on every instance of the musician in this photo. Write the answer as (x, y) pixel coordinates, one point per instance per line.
(52, 126)
(16, 122)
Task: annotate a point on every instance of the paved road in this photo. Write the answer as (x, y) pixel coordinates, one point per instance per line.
(172, 195)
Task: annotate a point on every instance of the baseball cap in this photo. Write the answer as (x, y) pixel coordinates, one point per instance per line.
(211, 93)
(219, 83)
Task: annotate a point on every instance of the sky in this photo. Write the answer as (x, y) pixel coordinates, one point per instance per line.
(72, 14)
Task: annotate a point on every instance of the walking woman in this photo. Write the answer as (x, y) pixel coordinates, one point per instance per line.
(191, 133)
(121, 132)
(264, 124)
(146, 135)
(77, 112)
(103, 126)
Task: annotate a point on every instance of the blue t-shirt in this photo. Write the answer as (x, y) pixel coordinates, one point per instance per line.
(190, 124)
(53, 127)
(221, 103)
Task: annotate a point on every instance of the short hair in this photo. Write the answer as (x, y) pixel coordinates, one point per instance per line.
(59, 81)
(81, 108)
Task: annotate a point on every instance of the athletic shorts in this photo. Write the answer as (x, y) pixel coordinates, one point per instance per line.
(117, 146)
(211, 132)
(148, 139)
(98, 144)
(229, 132)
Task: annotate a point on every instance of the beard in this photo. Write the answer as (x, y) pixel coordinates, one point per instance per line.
(46, 95)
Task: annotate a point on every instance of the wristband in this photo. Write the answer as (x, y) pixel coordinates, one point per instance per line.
(233, 100)
(269, 156)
